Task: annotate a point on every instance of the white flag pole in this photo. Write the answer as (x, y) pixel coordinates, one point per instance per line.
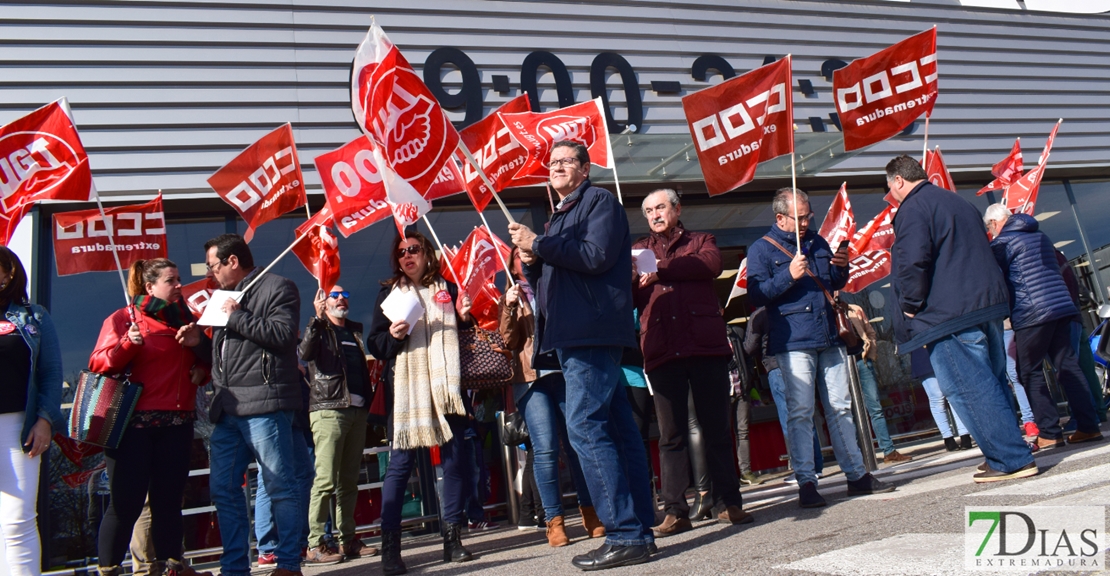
(440, 245)
(613, 160)
(925, 146)
(271, 265)
(486, 180)
(794, 191)
(110, 229)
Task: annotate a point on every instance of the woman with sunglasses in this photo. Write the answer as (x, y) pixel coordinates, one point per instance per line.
(423, 390)
(153, 341)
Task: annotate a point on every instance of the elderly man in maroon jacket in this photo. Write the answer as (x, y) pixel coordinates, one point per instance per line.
(686, 350)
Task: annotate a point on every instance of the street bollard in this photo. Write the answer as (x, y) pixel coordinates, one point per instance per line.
(509, 465)
(861, 417)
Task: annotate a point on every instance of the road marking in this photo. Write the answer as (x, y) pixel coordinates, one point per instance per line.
(908, 554)
(1054, 484)
(1094, 497)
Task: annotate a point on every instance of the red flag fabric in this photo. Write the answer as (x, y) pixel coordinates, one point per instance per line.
(538, 131)
(353, 186)
(866, 268)
(404, 200)
(81, 237)
(445, 260)
(393, 107)
(1022, 196)
(740, 286)
(73, 450)
(878, 234)
(878, 96)
(741, 122)
(41, 158)
(448, 183)
(1006, 172)
(264, 181)
(196, 294)
(840, 222)
(319, 250)
(937, 170)
(476, 261)
(500, 156)
(484, 307)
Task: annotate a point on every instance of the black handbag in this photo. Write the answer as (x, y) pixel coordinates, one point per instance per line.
(514, 431)
(483, 359)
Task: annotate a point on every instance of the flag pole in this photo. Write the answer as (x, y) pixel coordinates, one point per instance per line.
(609, 149)
(110, 229)
(500, 256)
(925, 146)
(486, 180)
(440, 244)
(794, 191)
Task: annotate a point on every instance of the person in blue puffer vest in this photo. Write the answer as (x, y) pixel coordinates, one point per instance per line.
(1041, 313)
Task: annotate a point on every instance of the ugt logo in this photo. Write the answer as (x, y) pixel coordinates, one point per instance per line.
(1034, 538)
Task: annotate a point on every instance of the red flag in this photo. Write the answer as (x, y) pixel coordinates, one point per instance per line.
(445, 260)
(264, 181)
(878, 234)
(41, 158)
(353, 186)
(741, 122)
(394, 108)
(538, 131)
(878, 96)
(1006, 172)
(484, 307)
(404, 201)
(866, 268)
(73, 450)
(938, 171)
(477, 262)
(196, 294)
(81, 237)
(78, 479)
(840, 222)
(740, 286)
(448, 183)
(1022, 196)
(319, 250)
(500, 156)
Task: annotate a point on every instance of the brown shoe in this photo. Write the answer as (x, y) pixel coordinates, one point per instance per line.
(322, 556)
(284, 572)
(672, 525)
(590, 521)
(1084, 437)
(1048, 443)
(178, 568)
(734, 515)
(557, 533)
(356, 549)
(896, 457)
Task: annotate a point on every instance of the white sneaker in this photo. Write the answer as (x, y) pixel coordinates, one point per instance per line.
(791, 479)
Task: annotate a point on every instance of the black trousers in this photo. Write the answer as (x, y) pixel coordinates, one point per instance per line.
(148, 460)
(707, 378)
(1052, 340)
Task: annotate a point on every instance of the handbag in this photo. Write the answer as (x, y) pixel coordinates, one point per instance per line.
(840, 310)
(484, 361)
(102, 408)
(514, 431)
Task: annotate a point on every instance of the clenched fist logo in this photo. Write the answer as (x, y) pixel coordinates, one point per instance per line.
(406, 213)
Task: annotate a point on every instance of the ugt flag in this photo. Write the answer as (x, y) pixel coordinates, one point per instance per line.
(740, 286)
(41, 158)
(937, 170)
(495, 151)
(81, 237)
(741, 122)
(404, 201)
(1022, 196)
(476, 261)
(840, 222)
(878, 96)
(264, 181)
(318, 251)
(537, 132)
(393, 107)
(1006, 172)
(353, 185)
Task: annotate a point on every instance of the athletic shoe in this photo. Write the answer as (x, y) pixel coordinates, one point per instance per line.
(992, 475)
(791, 479)
(896, 457)
(1031, 429)
(322, 556)
(482, 526)
(267, 560)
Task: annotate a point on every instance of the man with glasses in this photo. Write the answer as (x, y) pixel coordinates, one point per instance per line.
(257, 383)
(580, 269)
(338, 404)
(796, 284)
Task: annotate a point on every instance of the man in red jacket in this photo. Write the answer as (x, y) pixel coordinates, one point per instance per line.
(686, 351)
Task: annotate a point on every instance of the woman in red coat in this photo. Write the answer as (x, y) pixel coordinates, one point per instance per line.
(153, 341)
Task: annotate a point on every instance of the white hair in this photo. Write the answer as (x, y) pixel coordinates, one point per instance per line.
(996, 212)
(672, 197)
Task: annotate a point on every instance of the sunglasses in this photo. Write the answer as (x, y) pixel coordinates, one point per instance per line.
(414, 250)
(343, 294)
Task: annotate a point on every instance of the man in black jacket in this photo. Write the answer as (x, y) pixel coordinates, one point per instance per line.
(338, 406)
(257, 383)
(952, 298)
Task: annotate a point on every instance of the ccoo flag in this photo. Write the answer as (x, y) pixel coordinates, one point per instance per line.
(1006, 172)
(81, 237)
(840, 222)
(1022, 196)
(938, 171)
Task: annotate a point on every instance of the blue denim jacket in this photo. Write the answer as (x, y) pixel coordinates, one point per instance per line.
(44, 387)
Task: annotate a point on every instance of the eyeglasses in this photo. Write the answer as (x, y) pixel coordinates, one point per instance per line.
(414, 250)
(336, 295)
(801, 217)
(210, 267)
(562, 162)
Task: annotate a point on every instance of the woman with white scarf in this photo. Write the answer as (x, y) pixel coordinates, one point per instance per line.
(423, 388)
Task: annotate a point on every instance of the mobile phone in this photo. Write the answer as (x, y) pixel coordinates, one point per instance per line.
(843, 245)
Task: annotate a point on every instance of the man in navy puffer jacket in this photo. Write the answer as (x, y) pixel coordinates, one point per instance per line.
(1041, 312)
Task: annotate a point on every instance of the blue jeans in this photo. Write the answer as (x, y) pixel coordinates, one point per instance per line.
(457, 461)
(778, 393)
(826, 370)
(1011, 371)
(870, 390)
(603, 433)
(544, 407)
(970, 367)
(937, 407)
(268, 440)
(304, 472)
(479, 478)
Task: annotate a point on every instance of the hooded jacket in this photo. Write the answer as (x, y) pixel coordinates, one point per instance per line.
(1038, 293)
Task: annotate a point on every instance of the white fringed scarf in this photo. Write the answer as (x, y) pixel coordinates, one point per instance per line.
(426, 381)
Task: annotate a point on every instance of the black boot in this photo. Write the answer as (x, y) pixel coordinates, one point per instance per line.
(453, 550)
(951, 445)
(703, 507)
(391, 553)
(965, 442)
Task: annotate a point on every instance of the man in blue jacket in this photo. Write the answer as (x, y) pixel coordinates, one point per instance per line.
(1042, 313)
(951, 298)
(796, 287)
(581, 269)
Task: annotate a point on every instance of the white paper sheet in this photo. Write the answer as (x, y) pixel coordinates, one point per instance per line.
(213, 313)
(645, 260)
(405, 306)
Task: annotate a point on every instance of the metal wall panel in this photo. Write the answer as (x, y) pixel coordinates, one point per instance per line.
(165, 92)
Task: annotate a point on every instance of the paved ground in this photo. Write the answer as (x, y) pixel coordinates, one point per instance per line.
(914, 530)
